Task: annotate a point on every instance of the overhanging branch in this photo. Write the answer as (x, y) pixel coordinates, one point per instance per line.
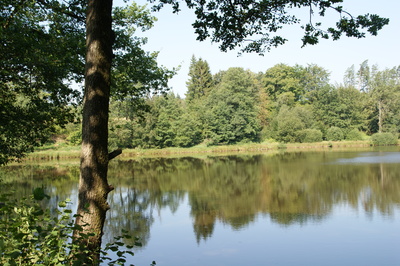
(114, 154)
(62, 11)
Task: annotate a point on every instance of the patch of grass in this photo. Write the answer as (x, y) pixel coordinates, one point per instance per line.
(55, 151)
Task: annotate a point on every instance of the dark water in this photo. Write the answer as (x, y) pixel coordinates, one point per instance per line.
(298, 208)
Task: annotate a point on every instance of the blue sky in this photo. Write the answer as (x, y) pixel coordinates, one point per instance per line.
(173, 36)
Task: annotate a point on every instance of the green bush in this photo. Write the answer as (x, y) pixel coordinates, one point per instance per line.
(287, 129)
(354, 134)
(380, 139)
(334, 134)
(75, 137)
(29, 235)
(310, 135)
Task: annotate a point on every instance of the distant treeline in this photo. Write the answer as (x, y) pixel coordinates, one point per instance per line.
(284, 104)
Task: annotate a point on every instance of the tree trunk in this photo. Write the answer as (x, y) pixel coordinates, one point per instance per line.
(93, 184)
(380, 116)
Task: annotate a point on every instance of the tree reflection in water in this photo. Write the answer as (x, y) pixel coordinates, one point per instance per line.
(290, 188)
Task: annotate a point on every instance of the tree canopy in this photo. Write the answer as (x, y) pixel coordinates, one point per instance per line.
(43, 43)
(42, 54)
(254, 25)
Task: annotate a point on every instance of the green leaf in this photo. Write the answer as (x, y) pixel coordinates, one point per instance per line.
(62, 204)
(38, 212)
(15, 254)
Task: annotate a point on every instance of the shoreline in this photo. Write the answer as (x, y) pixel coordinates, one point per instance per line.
(73, 152)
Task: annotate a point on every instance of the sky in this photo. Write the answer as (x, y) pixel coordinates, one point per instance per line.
(174, 38)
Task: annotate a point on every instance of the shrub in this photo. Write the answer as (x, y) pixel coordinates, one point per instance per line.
(354, 134)
(288, 124)
(29, 235)
(75, 137)
(310, 135)
(380, 139)
(334, 134)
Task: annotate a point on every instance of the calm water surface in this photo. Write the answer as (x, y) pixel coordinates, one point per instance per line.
(297, 208)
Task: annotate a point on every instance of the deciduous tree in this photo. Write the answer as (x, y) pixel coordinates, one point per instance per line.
(385, 92)
(281, 79)
(42, 47)
(232, 114)
(254, 25)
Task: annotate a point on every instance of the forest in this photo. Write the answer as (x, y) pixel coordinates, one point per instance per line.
(283, 104)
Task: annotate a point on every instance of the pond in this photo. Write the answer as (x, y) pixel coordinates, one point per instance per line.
(287, 208)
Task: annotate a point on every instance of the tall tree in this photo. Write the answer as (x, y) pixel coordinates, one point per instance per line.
(200, 79)
(42, 47)
(157, 128)
(385, 92)
(281, 79)
(363, 77)
(100, 37)
(232, 114)
(349, 78)
(169, 111)
(312, 79)
(341, 107)
(351, 108)
(45, 44)
(93, 184)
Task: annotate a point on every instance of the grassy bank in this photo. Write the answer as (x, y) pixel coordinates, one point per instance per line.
(55, 151)
(58, 151)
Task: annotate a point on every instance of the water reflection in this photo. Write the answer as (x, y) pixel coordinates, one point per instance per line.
(289, 188)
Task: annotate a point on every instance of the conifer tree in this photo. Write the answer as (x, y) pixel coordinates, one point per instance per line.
(200, 81)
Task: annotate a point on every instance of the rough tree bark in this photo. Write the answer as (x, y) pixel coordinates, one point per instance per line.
(93, 184)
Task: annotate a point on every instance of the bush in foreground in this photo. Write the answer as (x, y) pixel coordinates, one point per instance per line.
(354, 134)
(310, 135)
(380, 139)
(29, 235)
(334, 134)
